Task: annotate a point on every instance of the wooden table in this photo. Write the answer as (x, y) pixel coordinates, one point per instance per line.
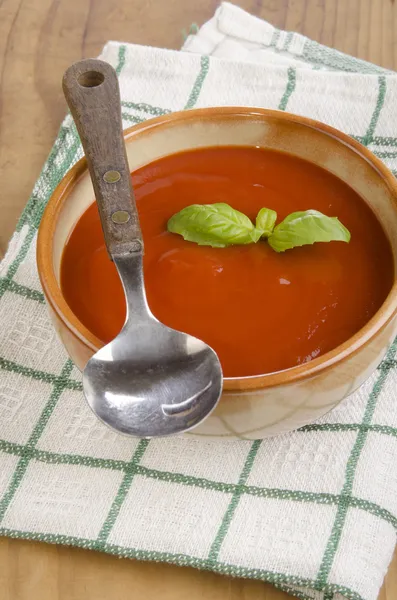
(38, 40)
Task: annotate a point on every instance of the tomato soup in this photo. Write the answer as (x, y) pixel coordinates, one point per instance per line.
(260, 310)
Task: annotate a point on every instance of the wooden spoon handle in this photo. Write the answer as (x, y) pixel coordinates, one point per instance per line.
(92, 92)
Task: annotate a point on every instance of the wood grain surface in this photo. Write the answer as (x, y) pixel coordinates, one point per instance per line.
(38, 41)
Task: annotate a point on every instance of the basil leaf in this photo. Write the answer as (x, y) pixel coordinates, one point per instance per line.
(265, 221)
(307, 227)
(217, 225)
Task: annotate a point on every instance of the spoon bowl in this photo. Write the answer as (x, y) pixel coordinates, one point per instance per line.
(146, 394)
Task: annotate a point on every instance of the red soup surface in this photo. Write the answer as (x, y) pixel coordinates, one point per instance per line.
(261, 311)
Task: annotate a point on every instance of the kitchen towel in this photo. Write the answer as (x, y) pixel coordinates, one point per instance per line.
(314, 511)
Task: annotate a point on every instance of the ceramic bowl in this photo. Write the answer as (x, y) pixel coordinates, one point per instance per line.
(265, 405)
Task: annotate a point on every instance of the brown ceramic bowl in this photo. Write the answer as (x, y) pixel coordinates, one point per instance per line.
(260, 406)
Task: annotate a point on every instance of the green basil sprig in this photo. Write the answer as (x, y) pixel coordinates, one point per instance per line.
(307, 227)
(219, 225)
(265, 221)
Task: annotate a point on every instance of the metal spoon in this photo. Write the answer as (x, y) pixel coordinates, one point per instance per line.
(150, 380)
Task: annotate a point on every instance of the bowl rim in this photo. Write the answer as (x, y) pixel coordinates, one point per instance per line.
(57, 303)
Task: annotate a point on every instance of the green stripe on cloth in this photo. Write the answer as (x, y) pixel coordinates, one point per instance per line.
(316, 54)
(122, 492)
(198, 84)
(23, 290)
(77, 459)
(337, 427)
(288, 40)
(132, 118)
(220, 536)
(155, 111)
(11, 448)
(387, 364)
(121, 59)
(385, 154)
(332, 544)
(13, 367)
(384, 141)
(7, 283)
(376, 114)
(188, 480)
(289, 89)
(275, 38)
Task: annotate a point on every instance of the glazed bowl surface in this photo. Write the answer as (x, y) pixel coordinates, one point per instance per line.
(265, 405)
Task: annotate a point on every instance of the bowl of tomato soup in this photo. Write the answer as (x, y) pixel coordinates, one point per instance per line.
(295, 331)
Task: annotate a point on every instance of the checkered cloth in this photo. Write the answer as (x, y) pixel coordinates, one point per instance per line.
(314, 511)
